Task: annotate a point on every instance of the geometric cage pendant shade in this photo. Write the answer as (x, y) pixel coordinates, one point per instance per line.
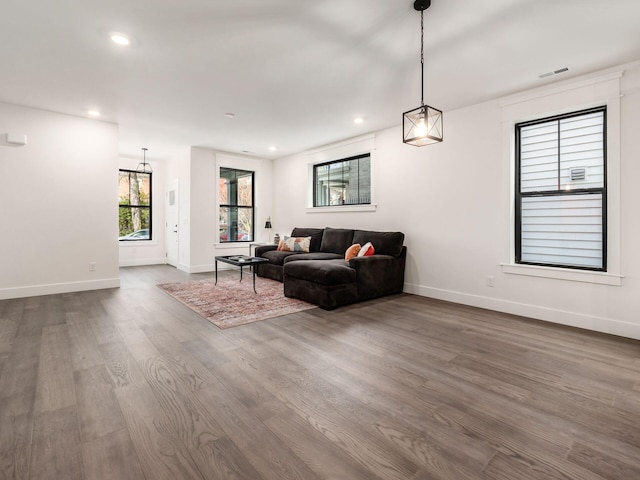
(422, 126)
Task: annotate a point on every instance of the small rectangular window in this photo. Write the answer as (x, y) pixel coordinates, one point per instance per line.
(134, 192)
(236, 198)
(342, 182)
(561, 191)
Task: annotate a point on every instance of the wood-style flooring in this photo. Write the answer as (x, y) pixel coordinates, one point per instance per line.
(129, 384)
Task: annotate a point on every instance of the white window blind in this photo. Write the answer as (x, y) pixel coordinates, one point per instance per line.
(561, 195)
(564, 230)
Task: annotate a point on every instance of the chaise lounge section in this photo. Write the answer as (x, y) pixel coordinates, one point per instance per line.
(322, 276)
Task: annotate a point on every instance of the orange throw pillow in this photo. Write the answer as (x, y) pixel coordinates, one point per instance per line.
(352, 251)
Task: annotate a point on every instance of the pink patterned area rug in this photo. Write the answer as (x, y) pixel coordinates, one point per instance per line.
(232, 303)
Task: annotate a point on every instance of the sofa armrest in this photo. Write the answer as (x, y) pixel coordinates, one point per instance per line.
(378, 275)
(264, 249)
(372, 262)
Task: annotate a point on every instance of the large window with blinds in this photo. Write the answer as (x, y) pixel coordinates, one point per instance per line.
(561, 191)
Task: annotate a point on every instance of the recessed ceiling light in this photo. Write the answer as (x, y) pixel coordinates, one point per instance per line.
(358, 120)
(272, 148)
(94, 113)
(120, 39)
(230, 115)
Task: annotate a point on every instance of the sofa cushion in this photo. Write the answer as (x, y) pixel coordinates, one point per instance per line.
(323, 272)
(314, 233)
(277, 257)
(385, 243)
(312, 256)
(262, 249)
(336, 240)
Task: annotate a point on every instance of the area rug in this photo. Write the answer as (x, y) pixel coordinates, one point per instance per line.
(231, 303)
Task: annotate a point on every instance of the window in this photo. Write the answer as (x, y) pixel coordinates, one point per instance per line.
(342, 182)
(134, 192)
(236, 205)
(561, 192)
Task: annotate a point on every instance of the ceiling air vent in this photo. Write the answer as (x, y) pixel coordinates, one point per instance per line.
(578, 174)
(554, 72)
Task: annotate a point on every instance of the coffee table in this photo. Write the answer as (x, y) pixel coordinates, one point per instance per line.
(241, 261)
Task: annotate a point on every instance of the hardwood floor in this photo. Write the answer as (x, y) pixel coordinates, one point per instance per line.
(129, 384)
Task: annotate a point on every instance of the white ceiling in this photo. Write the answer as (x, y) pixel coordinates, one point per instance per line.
(294, 72)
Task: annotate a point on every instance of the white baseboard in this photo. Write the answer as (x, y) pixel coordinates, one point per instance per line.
(135, 262)
(573, 319)
(54, 288)
(197, 268)
(204, 268)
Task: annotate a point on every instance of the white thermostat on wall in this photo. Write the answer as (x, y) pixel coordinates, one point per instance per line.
(14, 139)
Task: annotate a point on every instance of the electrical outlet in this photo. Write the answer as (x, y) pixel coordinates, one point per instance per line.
(92, 266)
(491, 281)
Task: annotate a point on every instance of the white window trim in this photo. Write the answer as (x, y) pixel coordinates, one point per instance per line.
(370, 207)
(602, 278)
(232, 245)
(348, 148)
(565, 97)
(154, 239)
(236, 163)
(139, 243)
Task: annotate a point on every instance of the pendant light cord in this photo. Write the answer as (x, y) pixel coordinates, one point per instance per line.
(144, 163)
(422, 56)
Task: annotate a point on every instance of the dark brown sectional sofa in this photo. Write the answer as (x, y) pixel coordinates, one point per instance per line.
(323, 277)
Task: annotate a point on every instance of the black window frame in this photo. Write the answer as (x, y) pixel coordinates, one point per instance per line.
(252, 207)
(149, 207)
(341, 160)
(519, 195)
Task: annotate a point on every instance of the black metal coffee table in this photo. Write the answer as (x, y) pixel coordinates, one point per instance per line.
(241, 261)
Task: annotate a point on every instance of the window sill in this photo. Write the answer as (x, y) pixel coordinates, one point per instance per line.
(230, 245)
(138, 243)
(344, 208)
(602, 278)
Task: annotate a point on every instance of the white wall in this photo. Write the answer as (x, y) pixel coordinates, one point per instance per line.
(452, 202)
(203, 209)
(57, 203)
(198, 180)
(150, 252)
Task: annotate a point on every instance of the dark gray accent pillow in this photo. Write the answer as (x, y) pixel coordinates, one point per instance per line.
(384, 243)
(336, 240)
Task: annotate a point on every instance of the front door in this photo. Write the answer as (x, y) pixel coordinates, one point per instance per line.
(171, 224)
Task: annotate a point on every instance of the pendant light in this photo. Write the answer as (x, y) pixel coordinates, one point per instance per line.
(423, 125)
(144, 167)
